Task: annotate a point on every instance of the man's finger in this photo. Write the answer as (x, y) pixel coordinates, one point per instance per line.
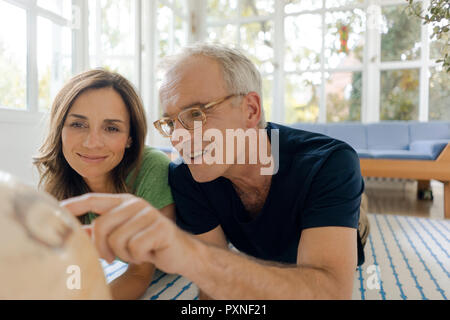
(96, 202)
(111, 220)
(88, 229)
(119, 238)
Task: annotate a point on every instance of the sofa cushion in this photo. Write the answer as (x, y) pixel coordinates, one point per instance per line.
(388, 135)
(364, 153)
(352, 133)
(431, 147)
(399, 154)
(311, 127)
(433, 130)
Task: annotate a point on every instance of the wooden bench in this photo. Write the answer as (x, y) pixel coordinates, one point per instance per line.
(421, 170)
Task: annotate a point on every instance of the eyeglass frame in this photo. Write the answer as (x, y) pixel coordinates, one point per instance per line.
(202, 107)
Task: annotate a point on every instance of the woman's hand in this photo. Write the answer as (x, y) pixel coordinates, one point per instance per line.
(131, 229)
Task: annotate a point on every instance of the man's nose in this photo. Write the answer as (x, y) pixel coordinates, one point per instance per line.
(93, 140)
(180, 136)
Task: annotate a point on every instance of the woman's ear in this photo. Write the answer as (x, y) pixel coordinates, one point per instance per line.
(129, 142)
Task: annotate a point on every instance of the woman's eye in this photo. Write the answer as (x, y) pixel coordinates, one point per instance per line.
(77, 125)
(112, 129)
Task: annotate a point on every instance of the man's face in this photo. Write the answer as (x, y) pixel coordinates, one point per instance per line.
(200, 81)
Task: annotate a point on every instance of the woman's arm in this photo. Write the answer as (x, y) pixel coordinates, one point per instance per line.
(133, 283)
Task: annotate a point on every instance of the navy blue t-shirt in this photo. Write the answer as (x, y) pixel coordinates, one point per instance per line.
(318, 184)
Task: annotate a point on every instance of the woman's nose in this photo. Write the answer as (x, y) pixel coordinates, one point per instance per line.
(93, 140)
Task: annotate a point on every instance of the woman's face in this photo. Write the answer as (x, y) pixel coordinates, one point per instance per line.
(96, 133)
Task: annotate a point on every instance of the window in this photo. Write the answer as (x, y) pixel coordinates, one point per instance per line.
(324, 70)
(37, 56)
(112, 37)
(13, 56)
(250, 26)
(54, 60)
(324, 61)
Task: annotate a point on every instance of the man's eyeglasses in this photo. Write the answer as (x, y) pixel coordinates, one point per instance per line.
(190, 118)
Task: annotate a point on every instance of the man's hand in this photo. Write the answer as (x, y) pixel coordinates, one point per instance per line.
(131, 229)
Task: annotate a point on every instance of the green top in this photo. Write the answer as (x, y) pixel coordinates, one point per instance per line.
(152, 181)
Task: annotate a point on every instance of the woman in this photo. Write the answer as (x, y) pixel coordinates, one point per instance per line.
(96, 144)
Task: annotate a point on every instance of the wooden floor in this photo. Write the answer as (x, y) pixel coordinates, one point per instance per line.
(400, 197)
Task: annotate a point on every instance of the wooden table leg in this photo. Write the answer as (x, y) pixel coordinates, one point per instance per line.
(447, 199)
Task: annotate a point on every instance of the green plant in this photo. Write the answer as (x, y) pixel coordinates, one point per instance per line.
(438, 16)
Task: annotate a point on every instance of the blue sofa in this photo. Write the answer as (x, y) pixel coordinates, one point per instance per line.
(390, 139)
(398, 149)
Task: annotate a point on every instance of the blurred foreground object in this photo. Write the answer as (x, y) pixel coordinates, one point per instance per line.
(44, 252)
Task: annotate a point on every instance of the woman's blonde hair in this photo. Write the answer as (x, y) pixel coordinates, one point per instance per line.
(56, 175)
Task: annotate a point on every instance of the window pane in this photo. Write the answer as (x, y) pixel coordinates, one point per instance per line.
(123, 66)
(60, 7)
(302, 97)
(303, 42)
(344, 40)
(222, 9)
(267, 87)
(257, 7)
(257, 41)
(180, 34)
(438, 47)
(164, 18)
(181, 6)
(400, 38)
(399, 94)
(118, 27)
(439, 99)
(343, 94)
(301, 5)
(13, 57)
(226, 35)
(339, 3)
(54, 58)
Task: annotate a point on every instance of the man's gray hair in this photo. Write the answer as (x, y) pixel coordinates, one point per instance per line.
(239, 73)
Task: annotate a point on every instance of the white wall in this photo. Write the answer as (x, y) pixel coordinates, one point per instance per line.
(20, 137)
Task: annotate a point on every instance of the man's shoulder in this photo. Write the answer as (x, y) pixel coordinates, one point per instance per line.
(299, 142)
(180, 176)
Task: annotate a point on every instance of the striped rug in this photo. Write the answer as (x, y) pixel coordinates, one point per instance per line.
(406, 258)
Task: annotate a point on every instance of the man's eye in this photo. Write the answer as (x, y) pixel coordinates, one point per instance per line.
(196, 114)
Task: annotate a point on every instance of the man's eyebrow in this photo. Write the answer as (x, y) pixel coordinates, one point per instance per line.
(166, 115)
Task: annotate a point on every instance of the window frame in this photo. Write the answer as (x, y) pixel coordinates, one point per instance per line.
(33, 11)
(370, 68)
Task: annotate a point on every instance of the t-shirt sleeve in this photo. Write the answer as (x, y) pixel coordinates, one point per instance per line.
(334, 196)
(192, 211)
(152, 183)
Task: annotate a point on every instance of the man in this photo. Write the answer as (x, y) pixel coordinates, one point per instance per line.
(296, 229)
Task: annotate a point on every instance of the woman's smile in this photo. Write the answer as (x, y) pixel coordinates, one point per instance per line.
(92, 158)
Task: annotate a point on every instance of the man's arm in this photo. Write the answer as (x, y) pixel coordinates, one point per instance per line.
(325, 270)
(134, 231)
(215, 237)
(133, 283)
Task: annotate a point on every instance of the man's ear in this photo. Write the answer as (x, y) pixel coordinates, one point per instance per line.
(252, 109)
